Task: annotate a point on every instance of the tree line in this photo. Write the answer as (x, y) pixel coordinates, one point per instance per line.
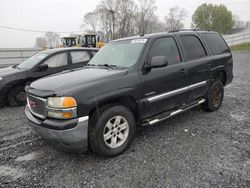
(123, 18)
(113, 19)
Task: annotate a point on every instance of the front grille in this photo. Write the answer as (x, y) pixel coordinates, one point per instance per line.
(37, 106)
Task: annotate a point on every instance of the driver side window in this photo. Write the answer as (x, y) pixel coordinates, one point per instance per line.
(166, 47)
(57, 60)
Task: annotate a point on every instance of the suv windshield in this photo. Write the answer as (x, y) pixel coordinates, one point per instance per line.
(119, 54)
(32, 61)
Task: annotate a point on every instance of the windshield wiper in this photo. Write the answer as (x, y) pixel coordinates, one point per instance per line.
(108, 65)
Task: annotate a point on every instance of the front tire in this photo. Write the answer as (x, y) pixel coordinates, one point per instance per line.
(112, 130)
(215, 96)
(17, 96)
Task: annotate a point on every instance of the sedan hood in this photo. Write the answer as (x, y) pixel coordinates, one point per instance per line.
(76, 79)
(7, 71)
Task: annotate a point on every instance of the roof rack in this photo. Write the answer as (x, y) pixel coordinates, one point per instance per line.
(180, 30)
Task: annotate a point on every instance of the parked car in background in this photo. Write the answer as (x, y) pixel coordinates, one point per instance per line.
(133, 81)
(13, 79)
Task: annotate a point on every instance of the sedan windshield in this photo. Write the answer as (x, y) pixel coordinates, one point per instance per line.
(32, 61)
(122, 54)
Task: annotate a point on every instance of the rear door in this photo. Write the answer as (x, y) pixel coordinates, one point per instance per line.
(221, 59)
(79, 58)
(164, 88)
(198, 64)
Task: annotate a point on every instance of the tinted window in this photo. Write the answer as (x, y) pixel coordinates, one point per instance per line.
(216, 43)
(192, 47)
(57, 60)
(79, 56)
(166, 47)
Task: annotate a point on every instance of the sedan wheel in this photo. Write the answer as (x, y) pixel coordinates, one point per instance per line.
(17, 96)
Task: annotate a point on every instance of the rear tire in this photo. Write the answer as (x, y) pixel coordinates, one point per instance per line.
(214, 96)
(112, 130)
(17, 96)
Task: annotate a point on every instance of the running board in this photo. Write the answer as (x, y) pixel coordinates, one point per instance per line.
(173, 113)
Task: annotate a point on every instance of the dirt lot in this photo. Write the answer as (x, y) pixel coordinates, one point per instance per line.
(193, 149)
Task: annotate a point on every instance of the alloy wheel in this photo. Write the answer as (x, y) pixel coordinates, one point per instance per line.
(116, 131)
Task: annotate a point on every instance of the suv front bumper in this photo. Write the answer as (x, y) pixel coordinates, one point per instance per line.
(75, 138)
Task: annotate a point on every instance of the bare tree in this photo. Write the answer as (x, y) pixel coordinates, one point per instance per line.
(174, 19)
(91, 19)
(40, 42)
(248, 24)
(146, 12)
(237, 22)
(52, 39)
(105, 23)
(107, 10)
(126, 12)
(155, 25)
(122, 18)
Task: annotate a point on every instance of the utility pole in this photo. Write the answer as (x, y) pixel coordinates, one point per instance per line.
(113, 23)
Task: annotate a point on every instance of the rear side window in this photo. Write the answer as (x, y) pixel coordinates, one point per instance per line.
(79, 56)
(166, 47)
(192, 47)
(215, 42)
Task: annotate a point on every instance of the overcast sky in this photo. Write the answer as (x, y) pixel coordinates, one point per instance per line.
(67, 15)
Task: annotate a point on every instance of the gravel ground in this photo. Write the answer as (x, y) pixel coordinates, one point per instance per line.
(193, 149)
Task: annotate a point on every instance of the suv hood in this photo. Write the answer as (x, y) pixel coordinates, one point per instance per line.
(7, 71)
(76, 79)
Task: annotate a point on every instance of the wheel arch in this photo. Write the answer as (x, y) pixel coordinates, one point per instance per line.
(220, 75)
(127, 101)
(13, 84)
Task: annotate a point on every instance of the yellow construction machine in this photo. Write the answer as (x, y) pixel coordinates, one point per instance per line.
(84, 40)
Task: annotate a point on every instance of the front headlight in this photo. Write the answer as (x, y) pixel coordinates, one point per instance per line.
(1, 78)
(61, 107)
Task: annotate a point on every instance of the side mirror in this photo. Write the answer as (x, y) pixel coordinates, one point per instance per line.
(158, 61)
(42, 67)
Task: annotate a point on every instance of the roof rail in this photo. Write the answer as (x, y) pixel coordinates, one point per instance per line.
(179, 30)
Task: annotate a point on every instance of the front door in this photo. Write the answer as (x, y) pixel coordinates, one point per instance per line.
(164, 88)
(56, 63)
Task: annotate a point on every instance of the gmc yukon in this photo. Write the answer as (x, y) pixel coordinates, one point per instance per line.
(133, 81)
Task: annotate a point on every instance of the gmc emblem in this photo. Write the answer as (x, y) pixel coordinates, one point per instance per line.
(32, 104)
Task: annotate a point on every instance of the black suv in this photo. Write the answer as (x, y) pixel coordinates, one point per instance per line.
(133, 81)
(13, 79)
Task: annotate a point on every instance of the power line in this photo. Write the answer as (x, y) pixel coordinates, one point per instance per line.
(36, 31)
